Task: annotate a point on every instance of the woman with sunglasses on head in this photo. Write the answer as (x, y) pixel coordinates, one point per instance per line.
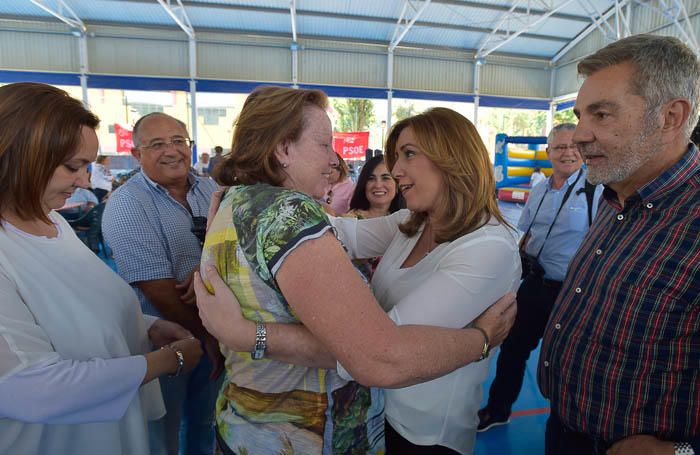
(76, 374)
(445, 261)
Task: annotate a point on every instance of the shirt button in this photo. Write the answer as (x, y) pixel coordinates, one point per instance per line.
(578, 290)
(557, 326)
(599, 252)
(620, 217)
(650, 205)
(546, 364)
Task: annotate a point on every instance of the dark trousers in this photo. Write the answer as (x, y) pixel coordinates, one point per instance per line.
(398, 445)
(100, 193)
(535, 300)
(559, 440)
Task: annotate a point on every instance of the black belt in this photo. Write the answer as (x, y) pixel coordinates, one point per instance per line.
(552, 283)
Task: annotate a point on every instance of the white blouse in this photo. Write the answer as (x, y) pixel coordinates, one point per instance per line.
(69, 323)
(449, 287)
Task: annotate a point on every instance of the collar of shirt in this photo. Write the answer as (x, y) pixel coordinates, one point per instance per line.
(669, 180)
(569, 181)
(191, 180)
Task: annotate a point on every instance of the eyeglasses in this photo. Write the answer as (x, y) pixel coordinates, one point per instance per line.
(563, 147)
(178, 142)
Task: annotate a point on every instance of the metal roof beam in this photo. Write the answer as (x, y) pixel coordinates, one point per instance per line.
(512, 21)
(403, 25)
(293, 17)
(348, 17)
(505, 9)
(60, 10)
(594, 25)
(674, 11)
(178, 14)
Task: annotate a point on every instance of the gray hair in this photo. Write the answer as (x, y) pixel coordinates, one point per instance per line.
(135, 133)
(557, 129)
(665, 69)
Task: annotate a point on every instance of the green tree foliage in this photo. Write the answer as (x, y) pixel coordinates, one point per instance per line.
(565, 116)
(518, 122)
(404, 111)
(354, 114)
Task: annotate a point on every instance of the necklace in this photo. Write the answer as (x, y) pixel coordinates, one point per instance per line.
(429, 233)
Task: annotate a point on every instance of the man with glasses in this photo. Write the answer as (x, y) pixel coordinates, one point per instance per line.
(155, 224)
(555, 219)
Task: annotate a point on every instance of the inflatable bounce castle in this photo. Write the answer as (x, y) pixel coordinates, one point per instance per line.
(513, 166)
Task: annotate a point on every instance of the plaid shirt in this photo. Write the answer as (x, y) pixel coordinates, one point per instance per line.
(151, 233)
(621, 351)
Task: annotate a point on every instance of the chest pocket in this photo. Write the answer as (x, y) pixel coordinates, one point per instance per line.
(575, 214)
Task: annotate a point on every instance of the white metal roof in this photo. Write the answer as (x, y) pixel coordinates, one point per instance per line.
(542, 27)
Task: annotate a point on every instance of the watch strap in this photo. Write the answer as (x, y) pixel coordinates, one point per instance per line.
(258, 351)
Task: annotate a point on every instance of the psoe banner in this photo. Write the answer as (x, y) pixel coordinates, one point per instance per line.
(124, 139)
(351, 146)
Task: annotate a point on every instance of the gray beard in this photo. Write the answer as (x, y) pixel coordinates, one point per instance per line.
(631, 159)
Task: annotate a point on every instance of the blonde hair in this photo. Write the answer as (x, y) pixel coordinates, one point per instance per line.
(270, 116)
(453, 145)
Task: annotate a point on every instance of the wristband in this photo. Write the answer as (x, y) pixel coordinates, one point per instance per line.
(486, 348)
(258, 351)
(180, 360)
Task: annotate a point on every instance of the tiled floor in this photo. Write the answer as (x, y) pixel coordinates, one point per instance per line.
(524, 435)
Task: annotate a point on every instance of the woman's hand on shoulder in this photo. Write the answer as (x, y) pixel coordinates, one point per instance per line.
(221, 313)
(498, 319)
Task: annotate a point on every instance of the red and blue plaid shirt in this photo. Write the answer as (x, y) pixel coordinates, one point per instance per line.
(621, 351)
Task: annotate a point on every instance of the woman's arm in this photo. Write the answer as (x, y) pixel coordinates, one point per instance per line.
(221, 315)
(346, 318)
(370, 237)
(293, 343)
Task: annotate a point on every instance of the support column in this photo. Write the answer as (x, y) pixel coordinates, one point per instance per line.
(389, 86)
(83, 55)
(477, 88)
(193, 95)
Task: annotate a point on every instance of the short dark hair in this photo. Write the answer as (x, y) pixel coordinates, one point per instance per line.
(40, 129)
(359, 196)
(218, 149)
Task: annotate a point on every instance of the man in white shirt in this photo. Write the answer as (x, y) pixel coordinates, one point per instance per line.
(201, 168)
(537, 177)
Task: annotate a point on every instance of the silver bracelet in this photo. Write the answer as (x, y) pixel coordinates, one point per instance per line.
(180, 359)
(683, 448)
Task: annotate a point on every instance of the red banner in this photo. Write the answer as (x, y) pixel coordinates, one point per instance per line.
(351, 146)
(124, 139)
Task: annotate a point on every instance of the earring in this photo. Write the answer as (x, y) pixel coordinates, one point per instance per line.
(285, 165)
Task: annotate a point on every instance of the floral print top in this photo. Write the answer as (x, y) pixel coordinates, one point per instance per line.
(266, 406)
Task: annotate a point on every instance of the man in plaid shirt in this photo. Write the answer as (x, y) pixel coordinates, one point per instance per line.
(620, 359)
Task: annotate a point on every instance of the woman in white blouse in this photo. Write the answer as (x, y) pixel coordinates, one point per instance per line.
(76, 374)
(445, 261)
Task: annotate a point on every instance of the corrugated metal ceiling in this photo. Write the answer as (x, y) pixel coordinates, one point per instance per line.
(458, 24)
